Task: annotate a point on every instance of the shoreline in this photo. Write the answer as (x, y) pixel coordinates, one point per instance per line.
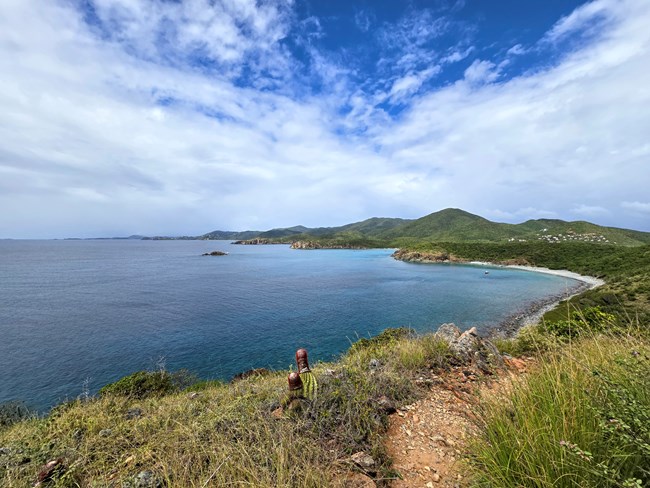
(533, 312)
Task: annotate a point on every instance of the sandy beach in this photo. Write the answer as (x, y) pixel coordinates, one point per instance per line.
(535, 311)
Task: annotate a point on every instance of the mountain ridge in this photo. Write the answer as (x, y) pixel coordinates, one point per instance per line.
(447, 225)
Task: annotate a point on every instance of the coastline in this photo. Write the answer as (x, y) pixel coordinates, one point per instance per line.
(592, 281)
(533, 312)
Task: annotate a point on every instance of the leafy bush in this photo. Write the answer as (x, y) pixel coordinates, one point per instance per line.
(143, 384)
(591, 319)
(387, 337)
(530, 339)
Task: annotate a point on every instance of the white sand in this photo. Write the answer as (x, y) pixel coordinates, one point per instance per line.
(537, 315)
(590, 280)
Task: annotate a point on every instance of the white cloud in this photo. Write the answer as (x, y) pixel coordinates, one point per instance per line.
(458, 55)
(642, 207)
(411, 83)
(582, 18)
(482, 71)
(363, 20)
(517, 50)
(108, 136)
(589, 210)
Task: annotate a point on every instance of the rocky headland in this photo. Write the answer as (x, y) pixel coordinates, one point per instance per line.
(321, 245)
(258, 241)
(426, 257)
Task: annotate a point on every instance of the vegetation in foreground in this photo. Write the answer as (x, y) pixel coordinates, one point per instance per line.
(138, 433)
(582, 419)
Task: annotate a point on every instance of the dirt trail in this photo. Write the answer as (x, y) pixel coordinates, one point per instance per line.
(426, 439)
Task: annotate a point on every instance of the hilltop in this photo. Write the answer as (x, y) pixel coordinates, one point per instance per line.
(448, 225)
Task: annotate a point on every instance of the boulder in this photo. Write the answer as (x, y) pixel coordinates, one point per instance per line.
(215, 253)
(448, 332)
(363, 460)
(147, 479)
(471, 348)
(133, 413)
(386, 405)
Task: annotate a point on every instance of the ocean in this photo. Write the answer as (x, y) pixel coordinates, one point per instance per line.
(78, 314)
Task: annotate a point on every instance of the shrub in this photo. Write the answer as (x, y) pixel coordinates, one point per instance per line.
(591, 319)
(141, 384)
(385, 338)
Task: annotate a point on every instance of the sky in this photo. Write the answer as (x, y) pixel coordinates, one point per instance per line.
(179, 117)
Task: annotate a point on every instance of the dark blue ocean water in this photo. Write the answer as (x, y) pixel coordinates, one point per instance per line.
(90, 312)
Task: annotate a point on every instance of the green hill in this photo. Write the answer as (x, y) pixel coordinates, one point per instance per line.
(452, 224)
(229, 235)
(448, 225)
(455, 225)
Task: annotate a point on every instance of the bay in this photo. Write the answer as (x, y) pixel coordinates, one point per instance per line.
(76, 315)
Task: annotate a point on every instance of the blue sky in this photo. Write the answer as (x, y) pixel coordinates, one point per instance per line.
(181, 117)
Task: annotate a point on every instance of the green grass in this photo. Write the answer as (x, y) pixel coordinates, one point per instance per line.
(226, 435)
(581, 419)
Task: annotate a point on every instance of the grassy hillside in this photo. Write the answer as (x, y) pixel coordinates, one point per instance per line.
(448, 225)
(455, 225)
(210, 434)
(451, 224)
(226, 434)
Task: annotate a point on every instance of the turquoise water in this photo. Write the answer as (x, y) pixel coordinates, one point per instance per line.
(76, 313)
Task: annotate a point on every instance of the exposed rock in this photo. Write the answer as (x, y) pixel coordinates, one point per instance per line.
(320, 245)
(471, 348)
(426, 257)
(193, 395)
(516, 364)
(146, 479)
(448, 332)
(133, 413)
(386, 405)
(374, 363)
(363, 460)
(215, 253)
(257, 242)
(105, 432)
(249, 373)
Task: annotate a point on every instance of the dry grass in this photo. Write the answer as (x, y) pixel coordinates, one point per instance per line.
(226, 435)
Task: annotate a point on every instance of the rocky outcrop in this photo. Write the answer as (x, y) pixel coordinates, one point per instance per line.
(426, 257)
(215, 253)
(258, 242)
(321, 245)
(470, 348)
